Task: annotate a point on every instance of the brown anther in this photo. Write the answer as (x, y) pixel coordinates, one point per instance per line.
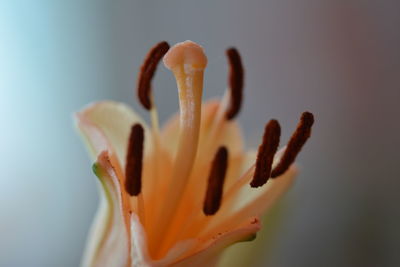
(216, 180)
(134, 161)
(235, 81)
(147, 71)
(266, 152)
(296, 142)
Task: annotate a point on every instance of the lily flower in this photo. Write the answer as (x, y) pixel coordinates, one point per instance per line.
(178, 196)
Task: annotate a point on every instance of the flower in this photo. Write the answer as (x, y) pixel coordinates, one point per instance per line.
(180, 195)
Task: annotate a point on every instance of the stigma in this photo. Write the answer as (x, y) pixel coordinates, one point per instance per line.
(186, 53)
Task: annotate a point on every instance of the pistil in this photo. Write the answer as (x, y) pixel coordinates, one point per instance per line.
(187, 61)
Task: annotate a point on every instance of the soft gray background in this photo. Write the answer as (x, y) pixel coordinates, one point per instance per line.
(338, 59)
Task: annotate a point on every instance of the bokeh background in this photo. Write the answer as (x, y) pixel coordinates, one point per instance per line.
(338, 59)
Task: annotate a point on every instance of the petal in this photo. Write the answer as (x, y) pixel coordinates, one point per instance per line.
(108, 244)
(237, 167)
(139, 253)
(106, 126)
(195, 252)
(256, 201)
(251, 202)
(100, 227)
(252, 253)
(210, 249)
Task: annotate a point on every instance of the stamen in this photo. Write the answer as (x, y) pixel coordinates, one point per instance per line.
(266, 152)
(296, 142)
(216, 180)
(134, 158)
(235, 81)
(147, 71)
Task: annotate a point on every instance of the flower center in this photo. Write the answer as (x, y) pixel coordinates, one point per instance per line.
(187, 61)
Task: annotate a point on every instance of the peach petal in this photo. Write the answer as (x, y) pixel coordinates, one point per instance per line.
(108, 242)
(209, 249)
(251, 202)
(106, 126)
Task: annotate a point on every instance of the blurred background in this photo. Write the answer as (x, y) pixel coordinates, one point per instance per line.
(338, 59)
